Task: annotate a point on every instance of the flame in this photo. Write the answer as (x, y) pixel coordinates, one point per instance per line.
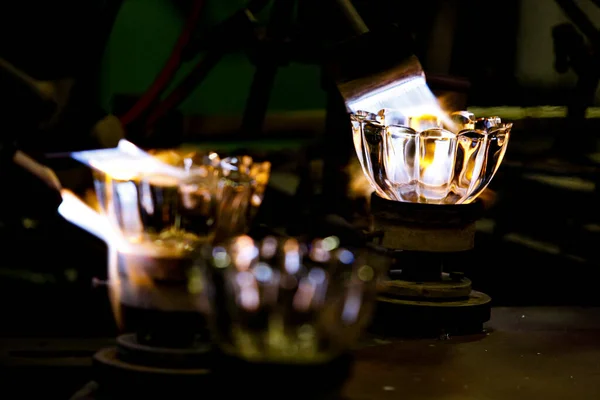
(424, 121)
(90, 220)
(91, 200)
(436, 158)
(431, 115)
(436, 161)
(358, 186)
(86, 215)
(445, 103)
(128, 162)
(118, 169)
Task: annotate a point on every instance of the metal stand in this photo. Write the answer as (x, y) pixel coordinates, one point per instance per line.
(269, 57)
(428, 294)
(136, 369)
(168, 351)
(132, 369)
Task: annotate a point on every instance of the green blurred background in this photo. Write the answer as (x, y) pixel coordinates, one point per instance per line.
(143, 36)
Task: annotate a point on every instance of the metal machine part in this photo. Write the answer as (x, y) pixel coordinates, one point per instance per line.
(423, 227)
(132, 368)
(425, 205)
(428, 294)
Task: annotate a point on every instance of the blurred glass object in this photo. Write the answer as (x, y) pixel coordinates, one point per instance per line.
(162, 211)
(281, 301)
(241, 189)
(156, 209)
(427, 159)
(175, 199)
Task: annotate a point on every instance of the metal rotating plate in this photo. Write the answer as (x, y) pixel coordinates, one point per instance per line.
(128, 379)
(446, 288)
(129, 350)
(427, 318)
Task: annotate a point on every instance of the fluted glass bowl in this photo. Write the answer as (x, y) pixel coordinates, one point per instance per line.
(427, 159)
(280, 301)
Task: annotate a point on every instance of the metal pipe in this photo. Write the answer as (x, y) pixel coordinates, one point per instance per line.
(352, 16)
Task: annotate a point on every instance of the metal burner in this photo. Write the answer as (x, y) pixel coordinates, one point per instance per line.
(427, 170)
(428, 295)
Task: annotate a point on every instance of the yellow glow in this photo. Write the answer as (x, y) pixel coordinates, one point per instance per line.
(424, 121)
(366, 273)
(434, 165)
(428, 158)
(116, 169)
(244, 252)
(291, 245)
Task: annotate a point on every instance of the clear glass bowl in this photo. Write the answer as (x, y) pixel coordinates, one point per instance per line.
(159, 212)
(426, 159)
(280, 301)
(195, 199)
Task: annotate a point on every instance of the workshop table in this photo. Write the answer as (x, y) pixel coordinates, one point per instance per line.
(526, 353)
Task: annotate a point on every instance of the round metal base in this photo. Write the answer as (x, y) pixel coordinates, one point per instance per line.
(130, 350)
(429, 317)
(121, 379)
(448, 287)
(118, 376)
(131, 367)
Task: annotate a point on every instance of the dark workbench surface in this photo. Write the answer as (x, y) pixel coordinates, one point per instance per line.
(527, 353)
